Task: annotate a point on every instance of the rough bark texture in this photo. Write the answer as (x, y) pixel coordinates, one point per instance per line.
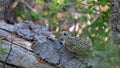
(115, 15)
(21, 55)
(115, 20)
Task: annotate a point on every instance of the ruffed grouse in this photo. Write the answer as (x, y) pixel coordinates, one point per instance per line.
(79, 46)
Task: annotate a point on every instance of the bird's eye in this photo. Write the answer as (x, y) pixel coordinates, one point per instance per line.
(65, 34)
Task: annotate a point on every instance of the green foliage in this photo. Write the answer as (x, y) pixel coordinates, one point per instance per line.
(33, 15)
(98, 29)
(1, 38)
(2, 49)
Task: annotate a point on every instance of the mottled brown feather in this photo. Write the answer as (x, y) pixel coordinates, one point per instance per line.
(76, 45)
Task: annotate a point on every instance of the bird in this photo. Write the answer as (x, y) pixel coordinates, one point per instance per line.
(77, 45)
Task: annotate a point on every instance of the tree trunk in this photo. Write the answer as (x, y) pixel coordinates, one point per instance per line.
(115, 34)
(115, 21)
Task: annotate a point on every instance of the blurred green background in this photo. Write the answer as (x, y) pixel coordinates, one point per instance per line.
(89, 18)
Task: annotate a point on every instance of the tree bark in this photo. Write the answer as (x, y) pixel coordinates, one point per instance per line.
(115, 33)
(115, 15)
(115, 20)
(21, 54)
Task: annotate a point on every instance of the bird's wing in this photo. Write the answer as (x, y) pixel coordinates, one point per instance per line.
(78, 44)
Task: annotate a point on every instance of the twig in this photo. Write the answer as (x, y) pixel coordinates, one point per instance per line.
(27, 5)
